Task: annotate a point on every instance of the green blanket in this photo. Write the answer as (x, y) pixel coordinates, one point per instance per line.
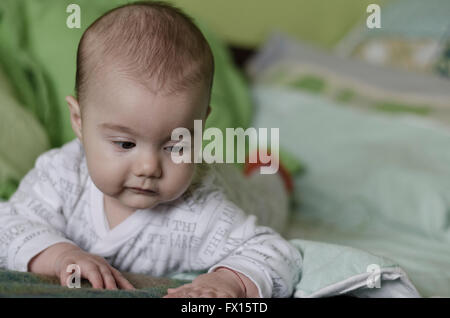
(19, 284)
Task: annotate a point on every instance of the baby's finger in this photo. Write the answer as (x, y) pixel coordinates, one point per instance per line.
(95, 277)
(108, 278)
(193, 293)
(179, 288)
(175, 292)
(207, 294)
(186, 291)
(176, 295)
(172, 290)
(121, 280)
(63, 277)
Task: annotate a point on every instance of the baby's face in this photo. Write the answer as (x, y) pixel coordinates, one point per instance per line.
(138, 155)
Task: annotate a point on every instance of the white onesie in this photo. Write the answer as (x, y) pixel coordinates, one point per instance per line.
(203, 229)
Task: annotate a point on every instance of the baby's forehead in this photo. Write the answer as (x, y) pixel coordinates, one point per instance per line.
(114, 74)
(135, 102)
(121, 96)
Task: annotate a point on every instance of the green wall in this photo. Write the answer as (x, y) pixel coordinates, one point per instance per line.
(248, 22)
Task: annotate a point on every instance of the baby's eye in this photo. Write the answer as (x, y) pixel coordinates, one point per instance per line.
(125, 144)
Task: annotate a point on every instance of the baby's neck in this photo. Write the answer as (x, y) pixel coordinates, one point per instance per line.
(115, 214)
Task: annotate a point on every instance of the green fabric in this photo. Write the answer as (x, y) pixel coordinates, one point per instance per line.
(20, 284)
(248, 22)
(22, 139)
(29, 80)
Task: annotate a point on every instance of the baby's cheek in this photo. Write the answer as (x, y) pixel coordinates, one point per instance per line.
(179, 179)
(107, 174)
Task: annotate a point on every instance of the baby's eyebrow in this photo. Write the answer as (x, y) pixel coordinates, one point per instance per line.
(118, 127)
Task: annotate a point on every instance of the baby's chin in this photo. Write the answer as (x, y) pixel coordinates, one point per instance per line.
(138, 201)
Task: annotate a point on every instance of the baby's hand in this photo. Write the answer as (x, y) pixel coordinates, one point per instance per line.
(92, 267)
(54, 261)
(218, 284)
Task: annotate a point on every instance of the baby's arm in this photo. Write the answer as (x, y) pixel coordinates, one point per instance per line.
(32, 226)
(265, 259)
(32, 219)
(263, 265)
(241, 250)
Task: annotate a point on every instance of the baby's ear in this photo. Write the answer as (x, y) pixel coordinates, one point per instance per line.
(75, 115)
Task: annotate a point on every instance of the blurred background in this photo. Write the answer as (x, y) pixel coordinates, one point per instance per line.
(248, 23)
(363, 113)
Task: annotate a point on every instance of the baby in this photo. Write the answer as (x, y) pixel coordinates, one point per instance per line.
(113, 199)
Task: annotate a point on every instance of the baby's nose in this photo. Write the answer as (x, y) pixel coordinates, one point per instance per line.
(148, 166)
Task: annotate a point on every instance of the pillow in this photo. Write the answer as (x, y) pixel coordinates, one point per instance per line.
(330, 270)
(414, 35)
(289, 63)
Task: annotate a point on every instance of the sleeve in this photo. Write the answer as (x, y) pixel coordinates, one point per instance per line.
(228, 237)
(32, 219)
(261, 254)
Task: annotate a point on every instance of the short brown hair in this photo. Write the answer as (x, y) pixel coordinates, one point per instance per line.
(145, 40)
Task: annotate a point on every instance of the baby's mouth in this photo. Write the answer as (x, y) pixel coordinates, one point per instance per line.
(142, 191)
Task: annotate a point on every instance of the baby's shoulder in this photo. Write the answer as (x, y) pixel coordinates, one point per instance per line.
(67, 159)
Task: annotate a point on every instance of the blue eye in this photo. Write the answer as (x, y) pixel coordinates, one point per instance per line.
(125, 144)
